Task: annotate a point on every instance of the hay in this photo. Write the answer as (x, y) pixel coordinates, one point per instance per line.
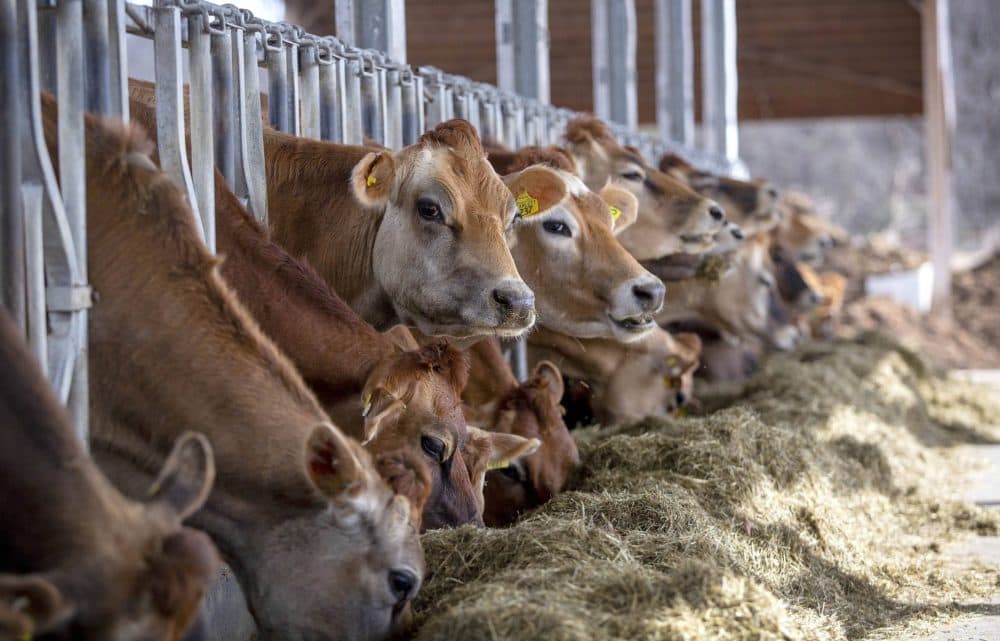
(815, 506)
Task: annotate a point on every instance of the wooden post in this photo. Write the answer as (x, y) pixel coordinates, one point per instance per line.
(939, 123)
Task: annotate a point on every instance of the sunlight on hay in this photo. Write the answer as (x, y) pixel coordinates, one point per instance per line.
(812, 507)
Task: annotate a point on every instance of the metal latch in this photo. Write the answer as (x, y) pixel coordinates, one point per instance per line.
(68, 299)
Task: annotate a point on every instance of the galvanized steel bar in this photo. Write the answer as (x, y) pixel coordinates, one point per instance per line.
(171, 139)
(34, 272)
(292, 60)
(97, 40)
(223, 100)
(522, 36)
(371, 99)
(278, 115)
(614, 44)
(251, 171)
(718, 78)
(12, 294)
(674, 71)
(393, 108)
(373, 24)
(117, 60)
(330, 71)
(411, 100)
(434, 97)
(309, 89)
(519, 358)
(201, 110)
(351, 112)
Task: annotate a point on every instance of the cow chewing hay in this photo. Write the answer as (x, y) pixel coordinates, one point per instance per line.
(813, 507)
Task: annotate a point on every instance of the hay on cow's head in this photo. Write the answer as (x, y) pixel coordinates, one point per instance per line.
(810, 509)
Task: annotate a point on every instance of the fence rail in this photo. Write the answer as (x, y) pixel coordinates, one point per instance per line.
(316, 86)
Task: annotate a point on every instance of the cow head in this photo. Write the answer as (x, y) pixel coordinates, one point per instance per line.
(751, 204)
(440, 251)
(532, 410)
(345, 563)
(672, 219)
(586, 284)
(143, 577)
(802, 234)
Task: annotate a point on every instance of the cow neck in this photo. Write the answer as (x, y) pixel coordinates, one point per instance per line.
(314, 215)
(587, 358)
(331, 346)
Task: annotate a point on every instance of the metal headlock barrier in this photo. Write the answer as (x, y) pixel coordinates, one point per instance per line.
(318, 86)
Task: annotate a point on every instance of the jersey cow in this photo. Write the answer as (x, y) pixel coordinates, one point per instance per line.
(295, 502)
(77, 559)
(673, 218)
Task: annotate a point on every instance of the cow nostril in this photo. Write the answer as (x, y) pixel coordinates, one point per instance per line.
(772, 192)
(737, 233)
(649, 294)
(402, 584)
(716, 212)
(514, 301)
(681, 399)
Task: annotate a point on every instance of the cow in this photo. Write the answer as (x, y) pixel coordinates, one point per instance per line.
(296, 502)
(586, 284)
(77, 559)
(498, 402)
(417, 236)
(751, 204)
(803, 234)
(823, 320)
(673, 218)
(741, 300)
(401, 400)
(649, 377)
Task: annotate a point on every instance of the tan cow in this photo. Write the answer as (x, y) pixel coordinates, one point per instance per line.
(751, 204)
(673, 218)
(416, 236)
(649, 377)
(498, 402)
(803, 234)
(586, 284)
(296, 503)
(77, 559)
(741, 300)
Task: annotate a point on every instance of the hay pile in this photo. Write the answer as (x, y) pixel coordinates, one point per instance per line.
(813, 507)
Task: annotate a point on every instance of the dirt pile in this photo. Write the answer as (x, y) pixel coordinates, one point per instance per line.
(812, 507)
(976, 300)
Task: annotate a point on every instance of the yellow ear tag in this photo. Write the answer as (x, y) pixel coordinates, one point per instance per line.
(526, 204)
(615, 213)
(668, 382)
(371, 180)
(368, 406)
(498, 465)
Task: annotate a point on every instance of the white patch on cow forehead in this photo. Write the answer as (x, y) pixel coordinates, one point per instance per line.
(573, 182)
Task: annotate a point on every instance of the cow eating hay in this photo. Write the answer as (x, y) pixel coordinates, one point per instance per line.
(809, 509)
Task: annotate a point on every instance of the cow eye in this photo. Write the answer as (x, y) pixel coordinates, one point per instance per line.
(632, 175)
(434, 447)
(429, 210)
(557, 227)
(516, 472)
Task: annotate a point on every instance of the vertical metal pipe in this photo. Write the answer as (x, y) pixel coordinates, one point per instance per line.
(117, 60)
(201, 109)
(34, 268)
(171, 139)
(277, 81)
(434, 97)
(351, 114)
(292, 77)
(12, 294)
(309, 90)
(223, 103)
(329, 90)
(371, 113)
(519, 359)
(373, 24)
(674, 71)
(393, 108)
(522, 35)
(250, 126)
(614, 44)
(718, 78)
(97, 40)
(411, 100)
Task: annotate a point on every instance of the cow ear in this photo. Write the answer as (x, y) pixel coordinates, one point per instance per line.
(333, 466)
(30, 605)
(186, 477)
(373, 177)
(690, 342)
(622, 205)
(378, 408)
(503, 448)
(536, 190)
(402, 337)
(550, 374)
(409, 478)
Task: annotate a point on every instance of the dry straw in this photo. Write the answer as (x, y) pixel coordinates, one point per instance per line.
(813, 506)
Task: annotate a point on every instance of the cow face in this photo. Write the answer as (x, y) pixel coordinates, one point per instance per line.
(586, 284)
(673, 218)
(441, 252)
(802, 234)
(347, 564)
(530, 410)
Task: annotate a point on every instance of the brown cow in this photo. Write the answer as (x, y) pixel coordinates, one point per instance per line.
(673, 218)
(803, 234)
(530, 409)
(77, 559)
(416, 237)
(751, 204)
(295, 501)
(652, 376)
(586, 284)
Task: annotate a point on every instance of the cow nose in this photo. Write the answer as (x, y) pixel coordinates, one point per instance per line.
(737, 232)
(716, 212)
(403, 584)
(772, 192)
(649, 293)
(681, 399)
(514, 299)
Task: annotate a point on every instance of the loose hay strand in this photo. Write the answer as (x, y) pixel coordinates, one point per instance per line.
(813, 507)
